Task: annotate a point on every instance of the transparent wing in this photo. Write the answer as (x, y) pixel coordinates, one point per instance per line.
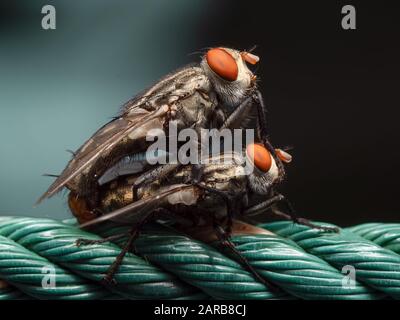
(134, 117)
(104, 139)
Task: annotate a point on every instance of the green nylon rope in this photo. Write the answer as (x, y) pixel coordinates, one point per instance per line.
(24, 267)
(55, 241)
(386, 235)
(302, 263)
(278, 260)
(196, 263)
(375, 266)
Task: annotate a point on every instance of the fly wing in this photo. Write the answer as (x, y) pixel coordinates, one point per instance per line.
(134, 117)
(104, 139)
(138, 210)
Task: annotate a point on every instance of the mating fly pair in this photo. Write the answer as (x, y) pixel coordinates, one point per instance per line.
(217, 93)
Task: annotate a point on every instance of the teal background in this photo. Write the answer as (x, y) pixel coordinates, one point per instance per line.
(58, 86)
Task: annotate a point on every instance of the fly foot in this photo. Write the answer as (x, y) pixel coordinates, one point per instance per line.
(86, 242)
(109, 280)
(308, 223)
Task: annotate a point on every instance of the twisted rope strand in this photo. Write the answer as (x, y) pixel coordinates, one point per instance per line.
(196, 263)
(386, 235)
(297, 272)
(304, 263)
(24, 269)
(136, 278)
(375, 266)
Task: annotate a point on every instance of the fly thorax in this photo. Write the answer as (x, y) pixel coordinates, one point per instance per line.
(195, 110)
(261, 182)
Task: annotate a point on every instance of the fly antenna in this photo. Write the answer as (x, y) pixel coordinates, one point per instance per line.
(288, 148)
(252, 49)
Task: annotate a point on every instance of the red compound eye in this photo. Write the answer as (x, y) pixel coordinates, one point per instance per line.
(260, 156)
(222, 63)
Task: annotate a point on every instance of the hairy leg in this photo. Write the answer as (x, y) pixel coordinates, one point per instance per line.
(230, 201)
(86, 242)
(133, 234)
(223, 231)
(112, 270)
(303, 221)
(263, 206)
(262, 128)
(235, 119)
(290, 215)
(225, 240)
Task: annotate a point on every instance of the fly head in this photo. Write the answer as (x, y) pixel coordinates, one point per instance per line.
(229, 75)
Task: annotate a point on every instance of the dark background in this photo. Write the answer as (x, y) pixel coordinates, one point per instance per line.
(332, 94)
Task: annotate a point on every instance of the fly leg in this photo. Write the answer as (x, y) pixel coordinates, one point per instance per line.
(235, 120)
(263, 206)
(109, 277)
(133, 235)
(225, 240)
(86, 242)
(197, 173)
(262, 116)
(291, 215)
(262, 128)
(223, 234)
(229, 200)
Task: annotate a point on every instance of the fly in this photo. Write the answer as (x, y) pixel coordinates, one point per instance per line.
(175, 198)
(196, 96)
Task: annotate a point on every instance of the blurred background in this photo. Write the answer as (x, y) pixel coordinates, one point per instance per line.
(332, 94)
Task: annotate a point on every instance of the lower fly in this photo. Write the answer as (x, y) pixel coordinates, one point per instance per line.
(223, 193)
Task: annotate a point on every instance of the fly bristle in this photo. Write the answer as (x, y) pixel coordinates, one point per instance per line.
(71, 152)
(50, 175)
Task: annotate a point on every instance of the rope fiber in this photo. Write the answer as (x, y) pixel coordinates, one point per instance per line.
(39, 259)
